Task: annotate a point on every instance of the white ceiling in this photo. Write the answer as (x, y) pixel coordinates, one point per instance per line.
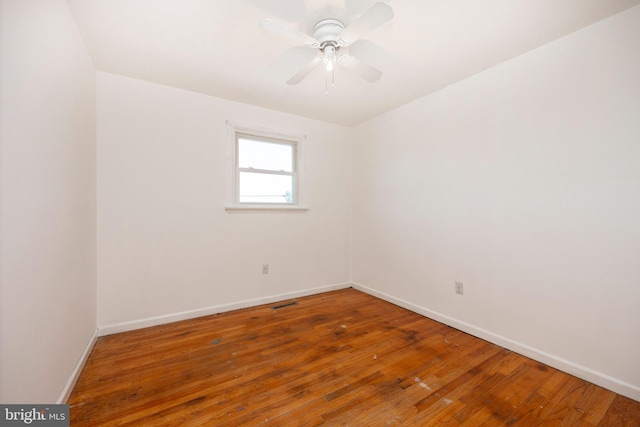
(215, 47)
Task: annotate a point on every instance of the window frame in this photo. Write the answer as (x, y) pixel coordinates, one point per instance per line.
(236, 131)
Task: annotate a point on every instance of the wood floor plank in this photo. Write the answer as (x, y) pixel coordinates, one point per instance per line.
(622, 412)
(593, 405)
(339, 358)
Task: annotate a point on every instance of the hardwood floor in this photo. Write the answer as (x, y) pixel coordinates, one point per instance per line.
(339, 358)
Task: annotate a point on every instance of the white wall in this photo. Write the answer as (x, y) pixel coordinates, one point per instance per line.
(523, 182)
(47, 200)
(165, 243)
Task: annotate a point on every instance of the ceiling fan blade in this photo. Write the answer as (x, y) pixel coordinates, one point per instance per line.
(288, 32)
(377, 15)
(285, 10)
(360, 68)
(323, 5)
(305, 71)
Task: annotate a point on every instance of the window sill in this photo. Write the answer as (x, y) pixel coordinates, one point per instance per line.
(265, 209)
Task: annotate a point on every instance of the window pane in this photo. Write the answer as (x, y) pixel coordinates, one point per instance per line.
(265, 188)
(265, 155)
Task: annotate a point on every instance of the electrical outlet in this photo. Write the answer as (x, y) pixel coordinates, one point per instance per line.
(265, 269)
(459, 288)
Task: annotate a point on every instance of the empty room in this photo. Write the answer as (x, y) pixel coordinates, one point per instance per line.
(320, 212)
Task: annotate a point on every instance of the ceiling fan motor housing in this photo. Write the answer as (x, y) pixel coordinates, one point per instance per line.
(328, 30)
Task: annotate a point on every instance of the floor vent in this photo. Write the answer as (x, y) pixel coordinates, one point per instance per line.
(288, 304)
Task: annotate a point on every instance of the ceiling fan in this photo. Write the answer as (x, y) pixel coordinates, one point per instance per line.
(331, 38)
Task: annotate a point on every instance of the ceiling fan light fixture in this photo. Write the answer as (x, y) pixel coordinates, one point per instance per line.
(329, 57)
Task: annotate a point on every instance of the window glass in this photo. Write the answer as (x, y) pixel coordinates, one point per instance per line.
(265, 155)
(265, 188)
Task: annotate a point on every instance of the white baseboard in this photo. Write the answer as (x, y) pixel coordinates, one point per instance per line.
(68, 388)
(206, 311)
(564, 365)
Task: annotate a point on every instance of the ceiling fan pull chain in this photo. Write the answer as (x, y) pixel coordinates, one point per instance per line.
(326, 84)
(333, 77)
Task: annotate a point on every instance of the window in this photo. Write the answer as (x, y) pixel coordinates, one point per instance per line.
(266, 170)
